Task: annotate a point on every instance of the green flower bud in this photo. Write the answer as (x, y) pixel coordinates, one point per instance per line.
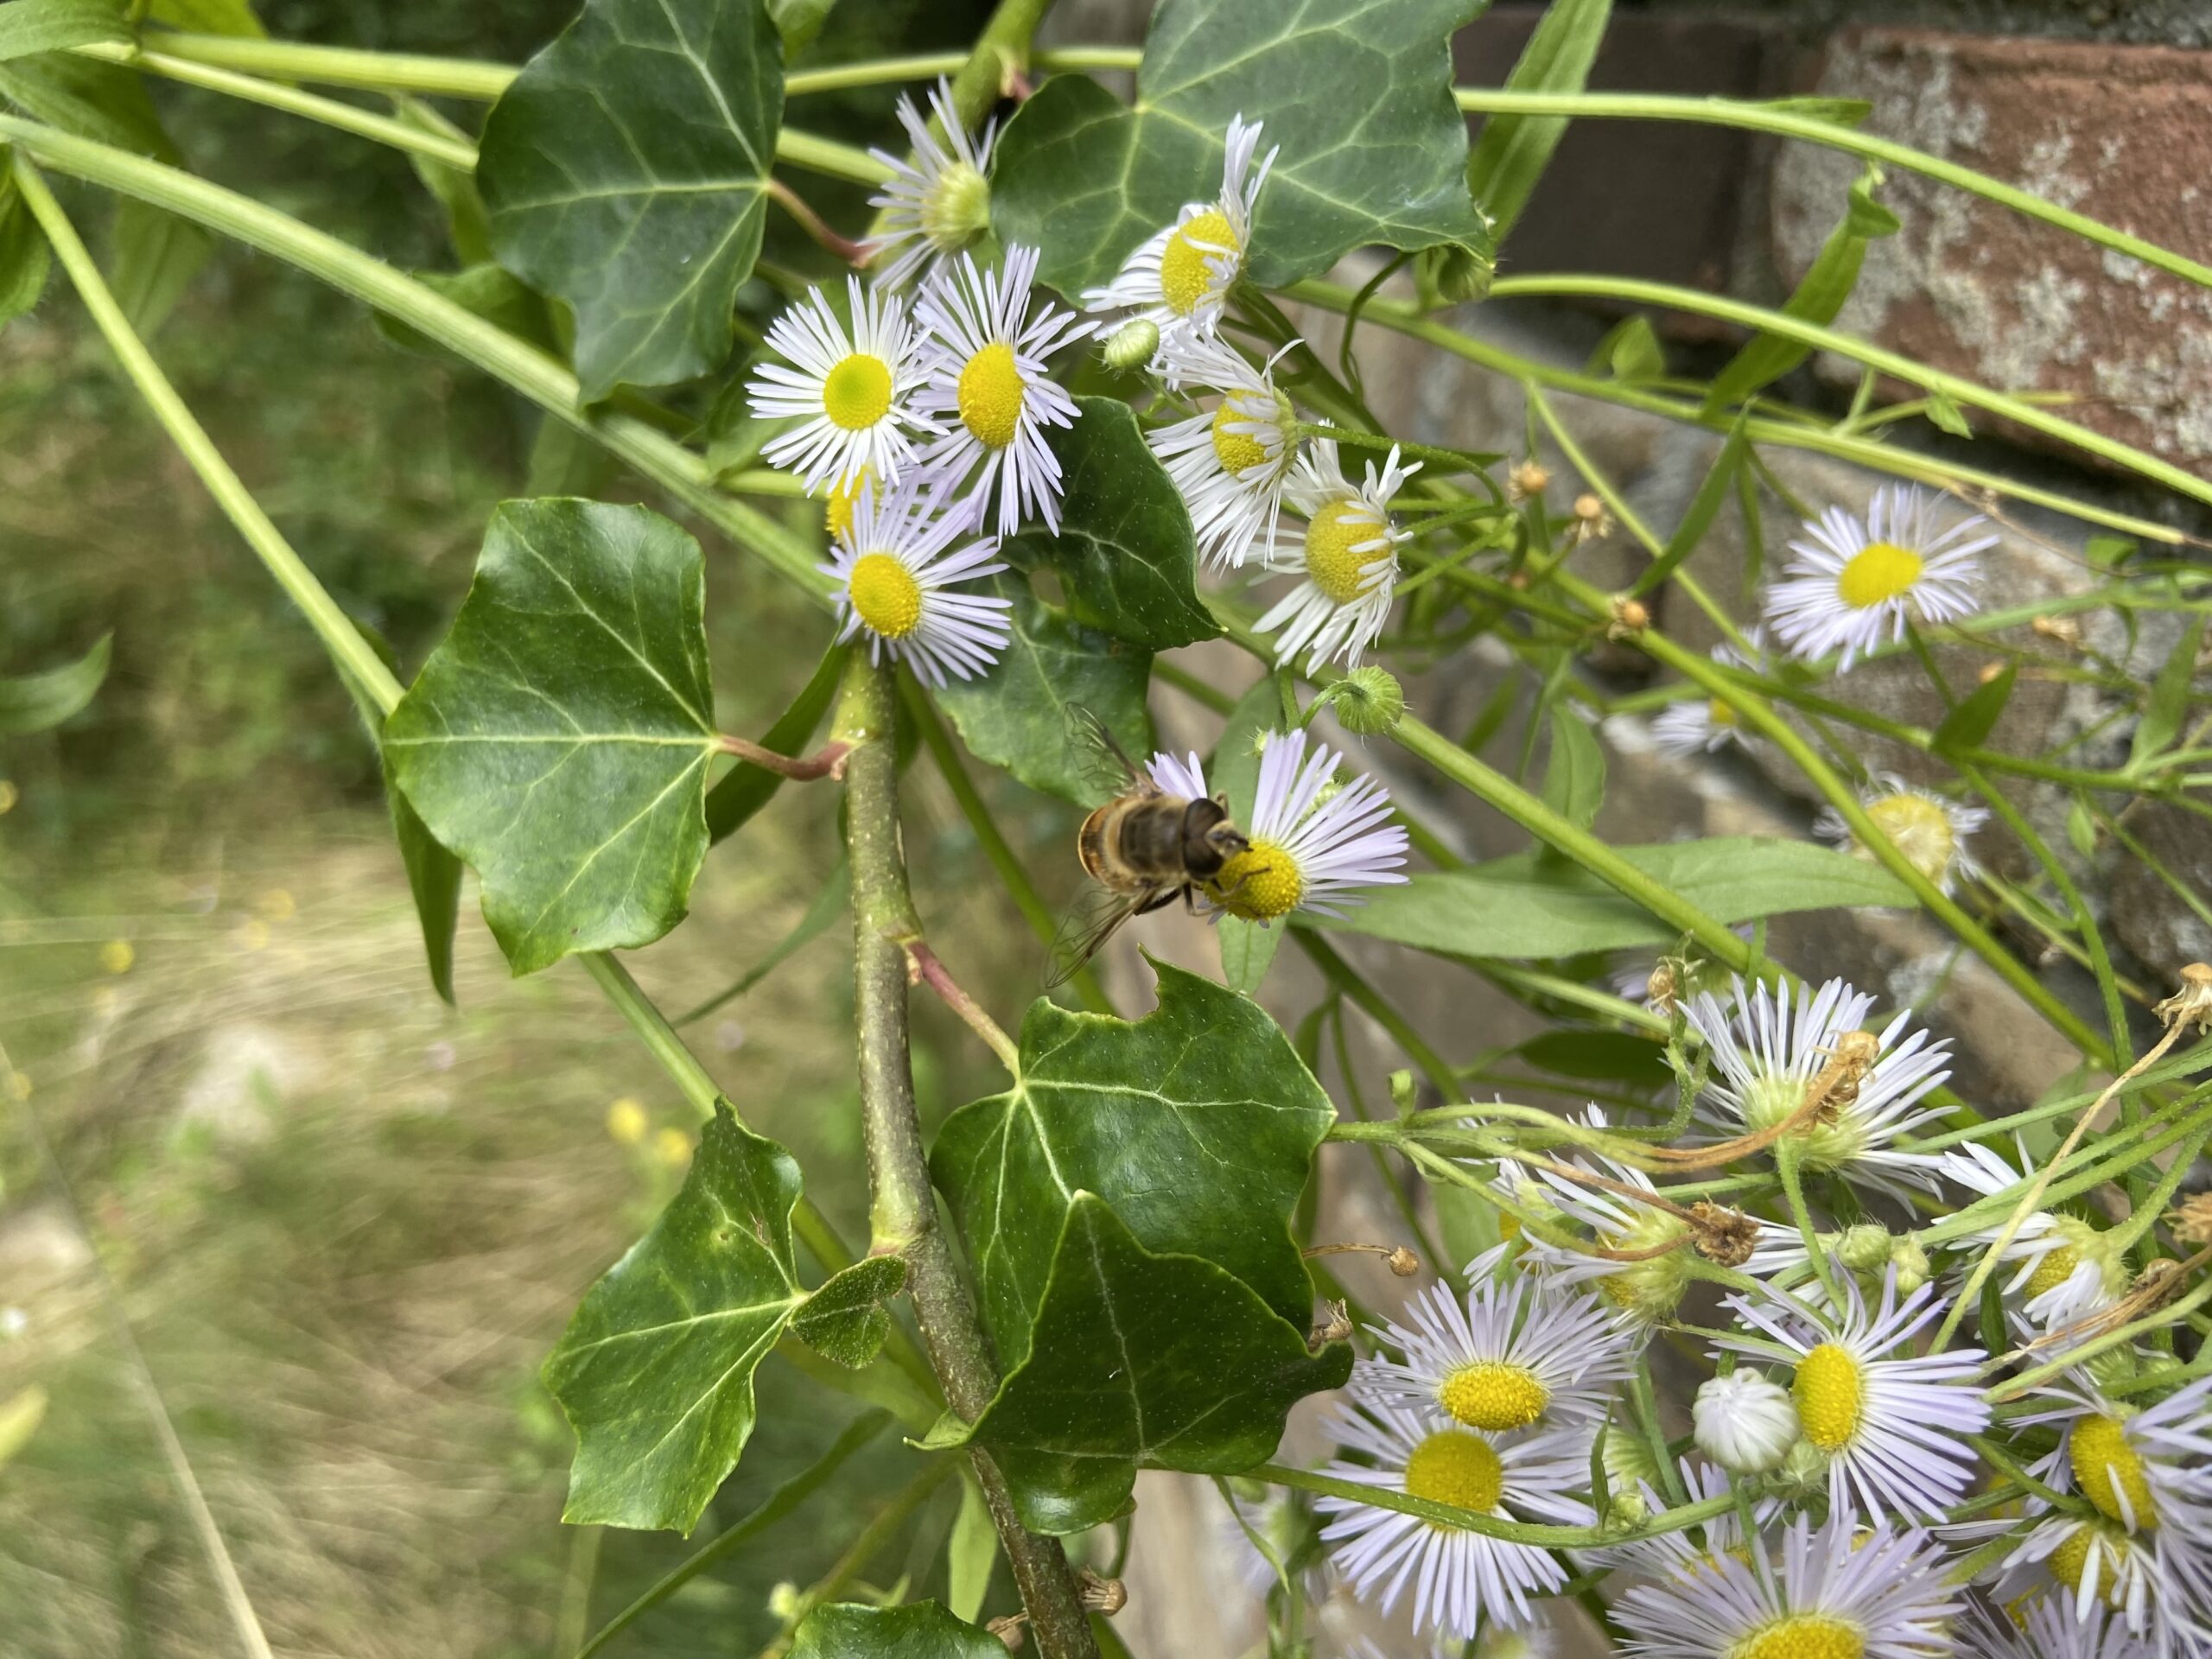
(1368, 702)
(958, 209)
(1912, 1263)
(1131, 346)
(1864, 1248)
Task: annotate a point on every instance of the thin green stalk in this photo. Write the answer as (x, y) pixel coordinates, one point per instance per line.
(1453, 1518)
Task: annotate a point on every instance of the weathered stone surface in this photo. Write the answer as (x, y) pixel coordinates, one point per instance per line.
(2150, 919)
(2121, 133)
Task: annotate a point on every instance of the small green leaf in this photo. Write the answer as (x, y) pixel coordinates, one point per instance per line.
(655, 1372)
(1167, 1361)
(625, 171)
(558, 740)
(1630, 351)
(846, 1320)
(492, 292)
(38, 703)
(2168, 704)
(1943, 411)
(1198, 1124)
(2109, 552)
(1510, 153)
(1124, 553)
(921, 1630)
(1527, 905)
(1017, 716)
(970, 1553)
(1575, 777)
(23, 258)
(156, 256)
(2081, 827)
(207, 16)
(433, 880)
(799, 21)
(28, 27)
(1358, 96)
(1729, 466)
(1968, 724)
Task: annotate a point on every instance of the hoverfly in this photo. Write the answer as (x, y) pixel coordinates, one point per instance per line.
(1143, 849)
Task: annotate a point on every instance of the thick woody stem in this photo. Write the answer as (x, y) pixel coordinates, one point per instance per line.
(902, 1209)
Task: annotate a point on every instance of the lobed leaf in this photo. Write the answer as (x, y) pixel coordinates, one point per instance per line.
(625, 172)
(432, 881)
(1358, 95)
(655, 1372)
(558, 739)
(846, 1320)
(921, 1630)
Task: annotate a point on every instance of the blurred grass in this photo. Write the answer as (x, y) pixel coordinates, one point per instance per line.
(343, 1223)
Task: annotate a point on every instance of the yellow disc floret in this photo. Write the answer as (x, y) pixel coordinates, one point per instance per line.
(1185, 276)
(2083, 1552)
(1804, 1636)
(2107, 1468)
(1236, 450)
(1878, 572)
(991, 393)
(885, 594)
(1340, 549)
(837, 511)
(1453, 1466)
(1492, 1394)
(1830, 1391)
(856, 393)
(956, 209)
(1260, 883)
(1920, 829)
(2054, 1269)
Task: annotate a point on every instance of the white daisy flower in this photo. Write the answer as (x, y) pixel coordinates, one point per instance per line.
(850, 389)
(1459, 1578)
(2060, 1263)
(1855, 586)
(1514, 1354)
(894, 580)
(1745, 1421)
(937, 204)
(1894, 1429)
(2047, 1631)
(1836, 1595)
(986, 376)
(2085, 1568)
(1180, 277)
(1314, 843)
(1704, 725)
(1779, 1040)
(1347, 556)
(1229, 464)
(1930, 831)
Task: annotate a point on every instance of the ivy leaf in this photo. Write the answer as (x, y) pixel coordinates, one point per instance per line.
(1124, 553)
(1017, 715)
(1142, 1359)
(1358, 95)
(1529, 906)
(921, 1630)
(625, 172)
(655, 1372)
(432, 881)
(846, 1320)
(1196, 1123)
(558, 740)
(38, 703)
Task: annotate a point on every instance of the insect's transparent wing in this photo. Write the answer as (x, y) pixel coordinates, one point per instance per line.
(1091, 921)
(1103, 763)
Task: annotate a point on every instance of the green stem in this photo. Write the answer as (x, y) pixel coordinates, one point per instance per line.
(1453, 1518)
(903, 1209)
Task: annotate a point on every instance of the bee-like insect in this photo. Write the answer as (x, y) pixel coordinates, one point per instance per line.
(1142, 849)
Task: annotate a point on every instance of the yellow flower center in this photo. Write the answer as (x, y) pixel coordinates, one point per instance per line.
(1236, 450)
(1804, 1636)
(1878, 572)
(2106, 1466)
(885, 594)
(1494, 1396)
(1184, 277)
(2081, 1551)
(1719, 712)
(1453, 1466)
(991, 390)
(1920, 829)
(1648, 1288)
(1335, 558)
(1829, 1392)
(856, 393)
(2054, 1269)
(1260, 883)
(837, 511)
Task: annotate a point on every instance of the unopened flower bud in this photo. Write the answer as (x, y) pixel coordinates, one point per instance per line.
(1627, 617)
(1804, 1473)
(2192, 1004)
(2192, 1219)
(1526, 482)
(1591, 521)
(1864, 1248)
(1404, 1262)
(1630, 1511)
(1628, 1462)
(1513, 1644)
(783, 1601)
(1745, 1422)
(1368, 702)
(1452, 274)
(1401, 1092)
(1912, 1263)
(2061, 630)
(1131, 346)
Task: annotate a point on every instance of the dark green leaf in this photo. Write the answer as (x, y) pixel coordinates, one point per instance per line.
(32, 26)
(1358, 96)
(1820, 295)
(207, 16)
(433, 880)
(1704, 508)
(558, 740)
(1124, 553)
(1630, 351)
(1198, 1124)
(2168, 703)
(1967, 726)
(157, 256)
(747, 788)
(1512, 151)
(1162, 1360)
(846, 1320)
(799, 21)
(970, 1553)
(625, 172)
(89, 99)
(22, 253)
(1526, 906)
(655, 1372)
(492, 292)
(37, 702)
(921, 1630)
(1575, 776)
(1017, 716)
(1599, 1056)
